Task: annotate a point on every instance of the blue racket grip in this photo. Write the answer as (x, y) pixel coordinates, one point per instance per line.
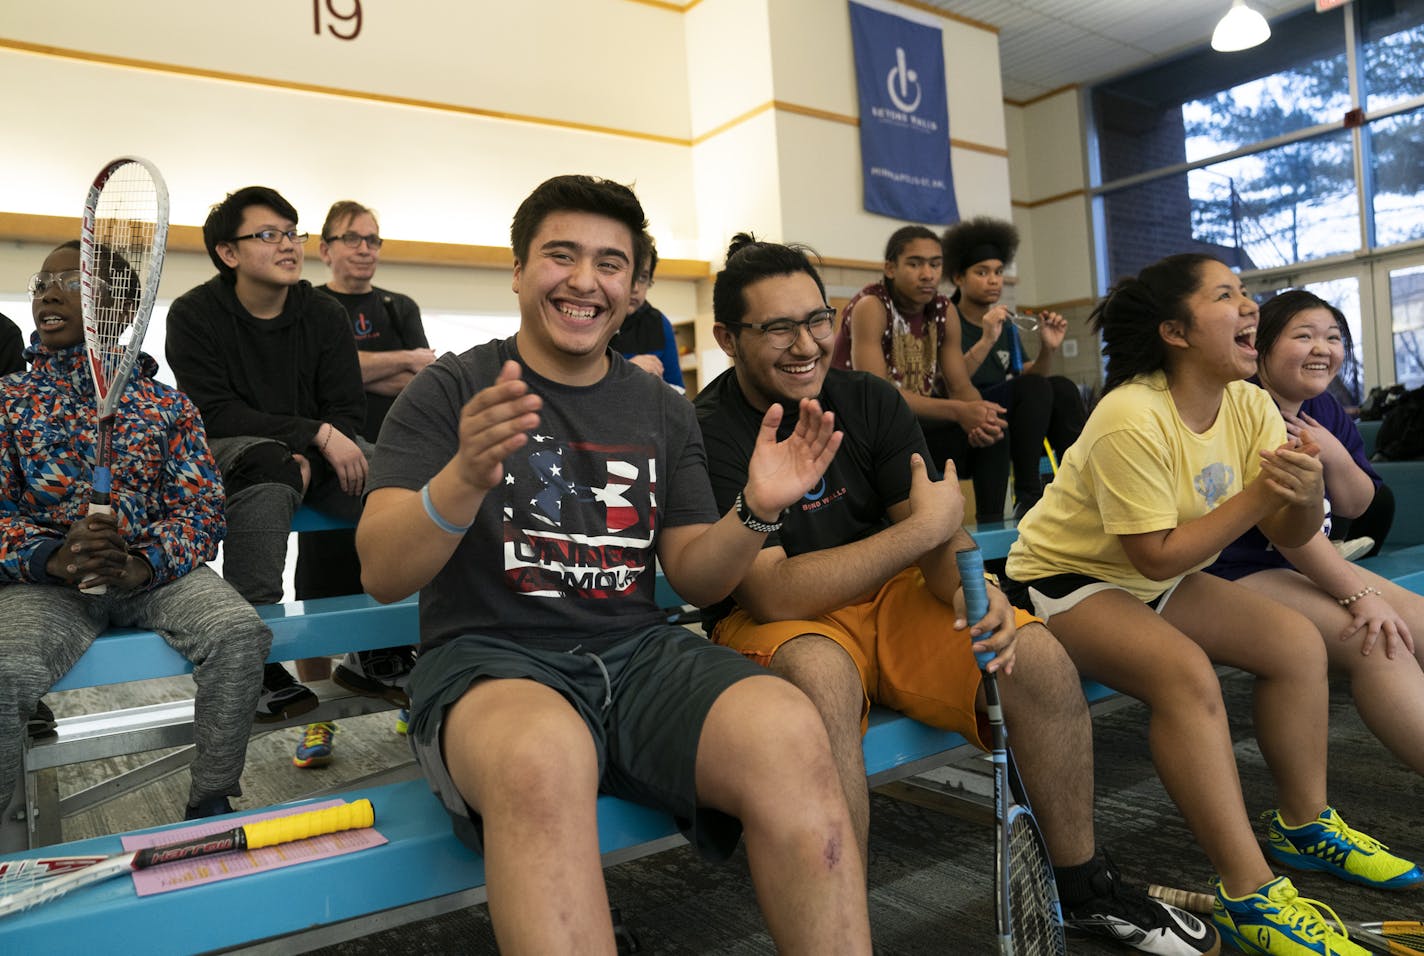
(102, 481)
(976, 596)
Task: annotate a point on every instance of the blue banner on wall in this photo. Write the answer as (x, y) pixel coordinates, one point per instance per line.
(904, 117)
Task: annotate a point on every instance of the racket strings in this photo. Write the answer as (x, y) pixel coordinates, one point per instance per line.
(1033, 898)
(16, 876)
(125, 255)
(1404, 936)
(21, 875)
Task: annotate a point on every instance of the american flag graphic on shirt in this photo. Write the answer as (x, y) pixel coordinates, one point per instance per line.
(579, 517)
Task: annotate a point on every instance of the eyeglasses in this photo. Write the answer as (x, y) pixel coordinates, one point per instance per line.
(1027, 323)
(353, 240)
(69, 282)
(782, 333)
(274, 236)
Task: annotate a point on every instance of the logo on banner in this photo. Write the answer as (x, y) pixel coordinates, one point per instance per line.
(898, 81)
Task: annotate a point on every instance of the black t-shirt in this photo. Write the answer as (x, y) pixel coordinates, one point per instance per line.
(1003, 360)
(561, 553)
(381, 321)
(871, 470)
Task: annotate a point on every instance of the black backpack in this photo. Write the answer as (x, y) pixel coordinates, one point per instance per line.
(1401, 433)
(1379, 400)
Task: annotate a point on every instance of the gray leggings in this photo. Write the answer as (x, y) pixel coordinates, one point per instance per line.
(259, 517)
(45, 629)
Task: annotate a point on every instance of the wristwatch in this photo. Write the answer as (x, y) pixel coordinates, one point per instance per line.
(752, 521)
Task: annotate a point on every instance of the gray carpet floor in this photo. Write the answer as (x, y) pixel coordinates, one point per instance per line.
(931, 857)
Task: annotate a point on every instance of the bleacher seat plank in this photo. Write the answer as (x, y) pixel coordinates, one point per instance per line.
(326, 626)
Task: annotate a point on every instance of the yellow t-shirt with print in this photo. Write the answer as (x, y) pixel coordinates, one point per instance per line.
(1138, 468)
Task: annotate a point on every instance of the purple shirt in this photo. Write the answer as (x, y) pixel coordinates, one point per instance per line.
(1253, 551)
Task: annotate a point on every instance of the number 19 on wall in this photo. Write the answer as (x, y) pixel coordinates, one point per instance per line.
(351, 20)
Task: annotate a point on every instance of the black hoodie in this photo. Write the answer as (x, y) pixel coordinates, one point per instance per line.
(275, 378)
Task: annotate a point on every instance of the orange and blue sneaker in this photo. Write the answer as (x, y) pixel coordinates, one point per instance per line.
(1329, 845)
(1277, 921)
(315, 748)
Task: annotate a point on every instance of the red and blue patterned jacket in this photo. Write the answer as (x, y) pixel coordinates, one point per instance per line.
(167, 496)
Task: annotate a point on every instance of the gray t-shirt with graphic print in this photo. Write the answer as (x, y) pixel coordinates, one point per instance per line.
(562, 552)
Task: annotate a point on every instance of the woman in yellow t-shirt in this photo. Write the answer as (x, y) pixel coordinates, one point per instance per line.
(1180, 457)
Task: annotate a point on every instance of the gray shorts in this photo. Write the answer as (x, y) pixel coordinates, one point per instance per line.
(644, 700)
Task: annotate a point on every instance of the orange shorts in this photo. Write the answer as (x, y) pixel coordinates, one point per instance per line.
(910, 656)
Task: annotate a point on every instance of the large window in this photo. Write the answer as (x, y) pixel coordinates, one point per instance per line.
(1255, 153)
(1397, 145)
(1393, 70)
(1407, 297)
(1300, 162)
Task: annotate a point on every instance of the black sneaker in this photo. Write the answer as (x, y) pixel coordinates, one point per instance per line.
(207, 807)
(282, 697)
(1130, 916)
(382, 673)
(41, 724)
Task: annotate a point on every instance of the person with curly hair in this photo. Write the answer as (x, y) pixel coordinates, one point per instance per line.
(1039, 404)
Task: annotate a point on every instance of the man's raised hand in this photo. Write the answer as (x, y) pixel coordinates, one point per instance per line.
(781, 472)
(493, 425)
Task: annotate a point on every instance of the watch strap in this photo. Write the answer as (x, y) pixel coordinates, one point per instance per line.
(752, 521)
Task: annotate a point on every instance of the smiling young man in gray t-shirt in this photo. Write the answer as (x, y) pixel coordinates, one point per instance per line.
(525, 489)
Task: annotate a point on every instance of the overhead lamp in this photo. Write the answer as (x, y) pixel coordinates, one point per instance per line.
(1241, 29)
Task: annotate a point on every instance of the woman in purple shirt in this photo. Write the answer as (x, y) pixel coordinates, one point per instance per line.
(1373, 629)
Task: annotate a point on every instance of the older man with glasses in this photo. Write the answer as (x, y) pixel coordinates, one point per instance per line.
(392, 349)
(271, 364)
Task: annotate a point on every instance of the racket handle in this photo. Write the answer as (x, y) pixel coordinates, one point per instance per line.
(300, 826)
(1182, 899)
(99, 505)
(976, 596)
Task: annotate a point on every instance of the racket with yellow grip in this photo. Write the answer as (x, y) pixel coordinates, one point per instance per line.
(251, 836)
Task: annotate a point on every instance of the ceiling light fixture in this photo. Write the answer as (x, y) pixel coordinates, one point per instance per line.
(1241, 29)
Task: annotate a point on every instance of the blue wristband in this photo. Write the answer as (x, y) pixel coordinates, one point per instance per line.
(437, 517)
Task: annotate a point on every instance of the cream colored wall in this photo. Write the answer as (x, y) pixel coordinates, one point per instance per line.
(1050, 207)
(735, 153)
(432, 175)
(542, 58)
(728, 44)
(1053, 214)
(703, 110)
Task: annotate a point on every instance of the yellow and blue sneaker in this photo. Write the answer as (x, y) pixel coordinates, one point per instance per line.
(1329, 845)
(1276, 921)
(403, 721)
(315, 748)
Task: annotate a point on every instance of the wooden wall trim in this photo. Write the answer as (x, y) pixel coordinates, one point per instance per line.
(28, 227)
(412, 102)
(1047, 200)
